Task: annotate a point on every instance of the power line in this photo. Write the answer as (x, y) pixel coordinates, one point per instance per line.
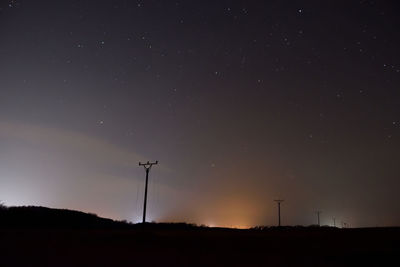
(136, 201)
(147, 166)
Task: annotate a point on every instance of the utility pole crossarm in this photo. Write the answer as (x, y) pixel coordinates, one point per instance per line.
(148, 164)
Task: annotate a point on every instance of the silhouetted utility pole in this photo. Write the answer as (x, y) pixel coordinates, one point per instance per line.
(279, 201)
(334, 222)
(318, 213)
(147, 166)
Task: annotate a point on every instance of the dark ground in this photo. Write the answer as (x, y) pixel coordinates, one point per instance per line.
(32, 236)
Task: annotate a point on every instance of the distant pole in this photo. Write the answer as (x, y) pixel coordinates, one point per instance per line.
(318, 213)
(147, 166)
(279, 201)
(334, 222)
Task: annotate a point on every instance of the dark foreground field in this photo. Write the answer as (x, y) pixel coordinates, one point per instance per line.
(46, 237)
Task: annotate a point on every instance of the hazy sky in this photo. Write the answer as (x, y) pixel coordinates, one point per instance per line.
(241, 102)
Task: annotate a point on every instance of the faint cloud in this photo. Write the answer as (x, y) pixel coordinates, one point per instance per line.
(72, 144)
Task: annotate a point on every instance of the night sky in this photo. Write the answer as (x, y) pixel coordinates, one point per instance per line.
(241, 102)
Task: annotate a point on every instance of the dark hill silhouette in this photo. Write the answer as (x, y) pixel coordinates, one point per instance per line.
(49, 218)
(38, 236)
(42, 217)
